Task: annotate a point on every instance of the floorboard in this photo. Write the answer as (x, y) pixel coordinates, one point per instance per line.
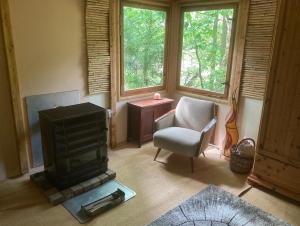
(160, 185)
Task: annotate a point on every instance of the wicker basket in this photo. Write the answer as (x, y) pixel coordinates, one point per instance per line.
(238, 163)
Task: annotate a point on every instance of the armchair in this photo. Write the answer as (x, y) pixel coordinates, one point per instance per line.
(187, 129)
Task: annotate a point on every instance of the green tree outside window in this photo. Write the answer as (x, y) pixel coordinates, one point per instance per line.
(205, 49)
(143, 45)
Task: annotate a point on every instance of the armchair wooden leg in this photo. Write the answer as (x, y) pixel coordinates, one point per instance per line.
(192, 164)
(203, 154)
(157, 153)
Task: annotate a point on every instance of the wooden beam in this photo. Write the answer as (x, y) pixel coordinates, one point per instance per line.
(239, 47)
(151, 3)
(115, 67)
(14, 85)
(205, 2)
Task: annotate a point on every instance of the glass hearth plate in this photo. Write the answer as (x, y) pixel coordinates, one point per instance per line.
(74, 205)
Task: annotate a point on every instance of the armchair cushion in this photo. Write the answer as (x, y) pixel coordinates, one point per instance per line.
(193, 113)
(179, 140)
(167, 120)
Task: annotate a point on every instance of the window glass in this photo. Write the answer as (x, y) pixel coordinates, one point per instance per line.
(206, 47)
(143, 47)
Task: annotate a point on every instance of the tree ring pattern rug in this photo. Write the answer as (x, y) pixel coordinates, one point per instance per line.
(216, 207)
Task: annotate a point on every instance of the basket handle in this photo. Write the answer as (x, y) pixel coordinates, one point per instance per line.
(241, 141)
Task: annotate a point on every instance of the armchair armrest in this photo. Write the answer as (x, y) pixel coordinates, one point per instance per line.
(206, 135)
(165, 121)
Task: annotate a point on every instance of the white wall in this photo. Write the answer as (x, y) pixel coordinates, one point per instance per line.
(249, 116)
(121, 118)
(49, 38)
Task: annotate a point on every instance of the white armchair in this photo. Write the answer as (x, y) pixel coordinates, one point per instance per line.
(186, 130)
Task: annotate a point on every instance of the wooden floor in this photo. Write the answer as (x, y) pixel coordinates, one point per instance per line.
(159, 187)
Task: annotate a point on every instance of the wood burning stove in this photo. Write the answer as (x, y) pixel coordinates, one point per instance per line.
(74, 143)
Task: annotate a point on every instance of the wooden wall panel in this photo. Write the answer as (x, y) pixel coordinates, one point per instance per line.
(258, 47)
(98, 45)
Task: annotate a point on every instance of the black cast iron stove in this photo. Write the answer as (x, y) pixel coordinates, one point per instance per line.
(74, 143)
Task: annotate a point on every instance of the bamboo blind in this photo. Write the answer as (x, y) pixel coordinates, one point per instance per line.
(98, 45)
(258, 47)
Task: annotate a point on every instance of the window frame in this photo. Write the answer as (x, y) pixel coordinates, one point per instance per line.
(145, 90)
(229, 75)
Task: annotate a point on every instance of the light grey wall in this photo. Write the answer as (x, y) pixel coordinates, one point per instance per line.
(249, 116)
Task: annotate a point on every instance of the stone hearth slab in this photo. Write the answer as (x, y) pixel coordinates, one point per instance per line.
(56, 196)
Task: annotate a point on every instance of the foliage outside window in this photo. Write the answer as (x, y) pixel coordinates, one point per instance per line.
(206, 50)
(144, 32)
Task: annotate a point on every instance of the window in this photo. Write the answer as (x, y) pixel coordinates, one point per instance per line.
(206, 50)
(144, 34)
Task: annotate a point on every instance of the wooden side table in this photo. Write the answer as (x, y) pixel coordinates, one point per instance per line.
(141, 117)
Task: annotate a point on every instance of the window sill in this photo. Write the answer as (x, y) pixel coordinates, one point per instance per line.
(163, 93)
(204, 97)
